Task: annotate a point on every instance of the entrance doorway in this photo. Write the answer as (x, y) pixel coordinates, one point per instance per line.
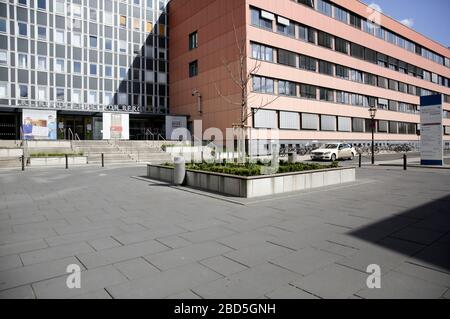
(74, 124)
(9, 127)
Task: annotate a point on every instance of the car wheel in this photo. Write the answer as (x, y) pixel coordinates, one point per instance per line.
(333, 158)
(352, 157)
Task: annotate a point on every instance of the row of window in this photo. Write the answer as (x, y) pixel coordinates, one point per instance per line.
(272, 119)
(265, 20)
(286, 88)
(266, 53)
(59, 4)
(372, 28)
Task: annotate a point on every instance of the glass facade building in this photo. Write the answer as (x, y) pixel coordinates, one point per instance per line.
(83, 58)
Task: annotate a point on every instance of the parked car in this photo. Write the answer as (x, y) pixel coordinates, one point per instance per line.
(334, 151)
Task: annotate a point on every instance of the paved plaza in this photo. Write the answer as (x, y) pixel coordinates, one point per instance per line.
(134, 238)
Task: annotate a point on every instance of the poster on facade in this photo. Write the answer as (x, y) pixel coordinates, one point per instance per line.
(39, 125)
(176, 128)
(116, 126)
(431, 130)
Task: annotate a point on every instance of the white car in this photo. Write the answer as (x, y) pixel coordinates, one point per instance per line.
(334, 151)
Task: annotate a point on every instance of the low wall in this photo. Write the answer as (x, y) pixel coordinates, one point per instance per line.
(11, 152)
(256, 186)
(57, 161)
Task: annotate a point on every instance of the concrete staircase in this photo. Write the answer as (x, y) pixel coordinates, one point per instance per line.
(121, 152)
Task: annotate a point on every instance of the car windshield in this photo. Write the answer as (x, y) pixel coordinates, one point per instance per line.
(330, 146)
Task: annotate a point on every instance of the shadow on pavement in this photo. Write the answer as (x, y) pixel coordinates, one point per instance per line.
(427, 225)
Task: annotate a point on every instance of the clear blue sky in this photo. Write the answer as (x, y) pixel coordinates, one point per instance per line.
(429, 17)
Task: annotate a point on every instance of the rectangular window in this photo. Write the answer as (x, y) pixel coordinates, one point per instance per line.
(325, 40)
(3, 57)
(77, 67)
(60, 95)
(60, 36)
(325, 68)
(262, 19)
(382, 82)
(328, 123)
(136, 24)
(287, 58)
(326, 95)
(108, 98)
(263, 85)
(262, 52)
(357, 51)
(108, 44)
(344, 124)
(92, 97)
(149, 27)
(342, 72)
(383, 104)
(108, 71)
(122, 46)
(23, 29)
(60, 66)
(76, 10)
(93, 42)
(308, 91)
(93, 69)
(310, 121)
(2, 25)
(355, 21)
(42, 4)
(123, 21)
(393, 127)
(358, 125)
(285, 27)
(42, 93)
(341, 45)
(370, 56)
(287, 88)
(23, 60)
(193, 69)
(309, 3)
(193, 40)
(76, 40)
(42, 33)
(308, 63)
(23, 91)
(289, 120)
(265, 119)
(76, 96)
(341, 15)
(42, 63)
(324, 7)
(60, 6)
(4, 90)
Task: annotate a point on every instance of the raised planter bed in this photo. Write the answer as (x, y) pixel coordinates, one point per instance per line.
(57, 161)
(256, 186)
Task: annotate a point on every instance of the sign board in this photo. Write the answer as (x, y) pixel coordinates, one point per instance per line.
(431, 130)
(116, 126)
(39, 125)
(176, 126)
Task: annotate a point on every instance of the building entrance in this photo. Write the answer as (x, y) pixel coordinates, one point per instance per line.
(9, 127)
(71, 127)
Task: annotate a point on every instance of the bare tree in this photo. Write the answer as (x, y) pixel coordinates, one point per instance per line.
(242, 78)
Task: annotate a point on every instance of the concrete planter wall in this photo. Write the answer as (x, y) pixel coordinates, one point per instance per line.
(11, 152)
(257, 186)
(57, 161)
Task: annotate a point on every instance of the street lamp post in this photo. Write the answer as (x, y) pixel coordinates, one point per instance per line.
(373, 112)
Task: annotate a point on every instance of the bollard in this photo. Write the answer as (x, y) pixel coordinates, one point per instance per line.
(23, 162)
(405, 162)
(360, 160)
(67, 161)
(103, 160)
(179, 171)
